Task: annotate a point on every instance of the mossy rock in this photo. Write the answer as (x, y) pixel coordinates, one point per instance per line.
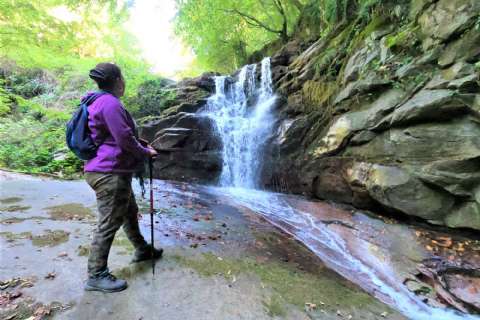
(10, 200)
(50, 238)
(15, 208)
(70, 211)
(404, 38)
(83, 250)
(11, 237)
(288, 284)
(375, 24)
(317, 93)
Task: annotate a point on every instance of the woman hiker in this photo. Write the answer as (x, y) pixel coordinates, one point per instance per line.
(120, 154)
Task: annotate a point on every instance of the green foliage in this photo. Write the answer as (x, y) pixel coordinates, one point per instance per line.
(224, 33)
(31, 136)
(29, 145)
(331, 12)
(5, 102)
(36, 39)
(44, 63)
(152, 98)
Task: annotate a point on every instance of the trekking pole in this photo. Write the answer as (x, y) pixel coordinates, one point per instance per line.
(150, 169)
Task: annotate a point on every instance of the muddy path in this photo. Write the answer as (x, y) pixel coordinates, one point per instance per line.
(229, 255)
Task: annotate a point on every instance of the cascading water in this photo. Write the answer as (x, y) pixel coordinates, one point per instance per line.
(241, 112)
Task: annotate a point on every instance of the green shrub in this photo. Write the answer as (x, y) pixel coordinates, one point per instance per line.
(5, 102)
(152, 98)
(32, 136)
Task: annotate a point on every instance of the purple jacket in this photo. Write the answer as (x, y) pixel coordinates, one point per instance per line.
(113, 130)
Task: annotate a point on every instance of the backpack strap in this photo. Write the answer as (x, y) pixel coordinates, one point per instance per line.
(90, 99)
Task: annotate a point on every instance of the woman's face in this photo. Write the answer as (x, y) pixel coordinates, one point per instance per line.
(120, 87)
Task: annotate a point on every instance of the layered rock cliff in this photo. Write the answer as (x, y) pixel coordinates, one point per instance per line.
(188, 148)
(380, 113)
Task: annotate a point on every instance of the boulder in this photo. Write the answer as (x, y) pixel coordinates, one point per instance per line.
(460, 177)
(201, 167)
(188, 147)
(369, 84)
(344, 126)
(171, 138)
(445, 19)
(204, 82)
(460, 76)
(430, 105)
(466, 216)
(396, 189)
(466, 48)
(149, 127)
(358, 61)
(329, 182)
(422, 143)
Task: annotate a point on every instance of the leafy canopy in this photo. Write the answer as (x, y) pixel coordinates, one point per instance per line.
(224, 33)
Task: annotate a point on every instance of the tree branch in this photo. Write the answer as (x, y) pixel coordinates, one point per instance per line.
(254, 21)
(281, 10)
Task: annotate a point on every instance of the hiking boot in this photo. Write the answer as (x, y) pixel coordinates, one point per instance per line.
(105, 282)
(146, 254)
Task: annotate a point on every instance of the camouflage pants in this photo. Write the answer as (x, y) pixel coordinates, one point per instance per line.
(116, 208)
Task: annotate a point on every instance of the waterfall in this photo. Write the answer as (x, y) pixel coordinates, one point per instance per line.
(241, 113)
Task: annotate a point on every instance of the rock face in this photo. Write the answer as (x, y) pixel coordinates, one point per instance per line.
(187, 146)
(383, 115)
(387, 119)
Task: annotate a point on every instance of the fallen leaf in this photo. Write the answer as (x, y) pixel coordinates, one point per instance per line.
(42, 311)
(51, 275)
(310, 306)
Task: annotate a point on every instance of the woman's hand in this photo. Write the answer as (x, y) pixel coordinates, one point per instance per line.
(152, 152)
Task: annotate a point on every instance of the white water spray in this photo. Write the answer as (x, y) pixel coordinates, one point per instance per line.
(241, 112)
